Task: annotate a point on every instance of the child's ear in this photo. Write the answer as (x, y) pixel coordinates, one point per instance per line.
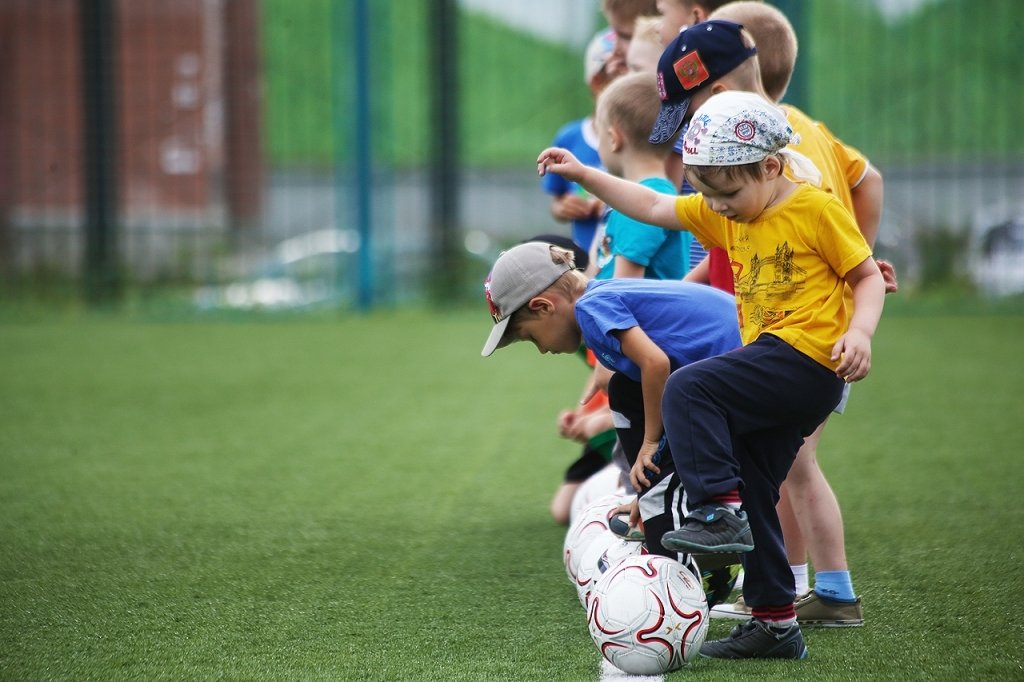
(539, 304)
(616, 137)
(773, 166)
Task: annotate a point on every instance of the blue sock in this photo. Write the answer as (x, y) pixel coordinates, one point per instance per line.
(835, 585)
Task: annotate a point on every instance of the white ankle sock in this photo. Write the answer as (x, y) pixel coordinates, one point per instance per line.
(800, 578)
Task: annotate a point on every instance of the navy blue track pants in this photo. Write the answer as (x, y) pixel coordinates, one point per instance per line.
(736, 421)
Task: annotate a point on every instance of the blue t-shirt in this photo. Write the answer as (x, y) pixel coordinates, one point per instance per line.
(579, 138)
(688, 322)
(663, 253)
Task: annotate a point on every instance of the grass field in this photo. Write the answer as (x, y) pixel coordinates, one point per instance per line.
(364, 498)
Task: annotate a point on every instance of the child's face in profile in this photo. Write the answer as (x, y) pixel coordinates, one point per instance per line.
(603, 126)
(552, 331)
(675, 17)
(643, 56)
(623, 27)
(739, 198)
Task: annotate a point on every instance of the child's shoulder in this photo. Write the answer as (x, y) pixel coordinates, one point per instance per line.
(572, 128)
(659, 183)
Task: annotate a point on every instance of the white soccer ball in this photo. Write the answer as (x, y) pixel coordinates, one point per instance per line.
(648, 615)
(590, 523)
(606, 550)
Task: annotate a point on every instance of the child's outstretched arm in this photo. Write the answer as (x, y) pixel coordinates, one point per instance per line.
(634, 200)
(855, 345)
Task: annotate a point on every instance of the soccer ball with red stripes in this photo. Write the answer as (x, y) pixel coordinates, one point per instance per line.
(648, 615)
(605, 551)
(588, 526)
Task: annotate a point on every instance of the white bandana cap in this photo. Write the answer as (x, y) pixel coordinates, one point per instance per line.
(735, 128)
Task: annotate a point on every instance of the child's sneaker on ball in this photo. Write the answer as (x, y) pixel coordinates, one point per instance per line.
(711, 529)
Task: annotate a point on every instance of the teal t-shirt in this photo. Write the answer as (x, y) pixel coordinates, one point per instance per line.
(665, 254)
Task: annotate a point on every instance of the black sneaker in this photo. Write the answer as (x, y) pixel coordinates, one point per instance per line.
(757, 639)
(711, 529)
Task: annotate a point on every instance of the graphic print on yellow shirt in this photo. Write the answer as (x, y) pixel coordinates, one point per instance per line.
(788, 266)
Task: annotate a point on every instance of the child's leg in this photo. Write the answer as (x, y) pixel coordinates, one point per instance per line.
(735, 422)
(589, 463)
(816, 510)
(762, 386)
(764, 458)
(663, 505)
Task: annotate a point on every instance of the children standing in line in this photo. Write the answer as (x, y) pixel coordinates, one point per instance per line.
(734, 422)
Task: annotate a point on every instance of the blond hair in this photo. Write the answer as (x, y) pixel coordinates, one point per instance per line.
(775, 39)
(648, 30)
(631, 103)
(708, 6)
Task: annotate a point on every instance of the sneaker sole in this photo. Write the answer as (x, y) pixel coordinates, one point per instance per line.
(831, 623)
(695, 548)
(802, 657)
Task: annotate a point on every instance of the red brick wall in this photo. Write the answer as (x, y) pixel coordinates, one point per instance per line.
(43, 106)
(171, 115)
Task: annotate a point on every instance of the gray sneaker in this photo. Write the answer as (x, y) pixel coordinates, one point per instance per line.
(816, 611)
(711, 529)
(757, 639)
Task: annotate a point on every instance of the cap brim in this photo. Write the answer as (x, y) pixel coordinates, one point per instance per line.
(494, 340)
(669, 121)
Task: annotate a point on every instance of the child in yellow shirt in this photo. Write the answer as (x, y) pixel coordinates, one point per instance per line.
(735, 422)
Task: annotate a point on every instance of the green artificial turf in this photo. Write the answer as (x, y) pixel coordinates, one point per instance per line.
(366, 499)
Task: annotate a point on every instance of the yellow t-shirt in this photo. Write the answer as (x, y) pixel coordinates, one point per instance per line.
(841, 166)
(788, 266)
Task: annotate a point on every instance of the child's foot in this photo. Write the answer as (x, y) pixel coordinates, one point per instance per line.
(738, 610)
(757, 639)
(619, 524)
(814, 610)
(711, 529)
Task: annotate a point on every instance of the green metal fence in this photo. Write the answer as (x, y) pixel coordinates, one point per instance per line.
(363, 197)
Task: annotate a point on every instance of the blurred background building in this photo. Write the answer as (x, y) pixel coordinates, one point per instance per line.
(263, 153)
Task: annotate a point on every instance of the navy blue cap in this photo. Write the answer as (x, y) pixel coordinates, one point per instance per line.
(697, 57)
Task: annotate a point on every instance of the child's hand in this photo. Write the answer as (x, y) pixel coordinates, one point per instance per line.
(566, 420)
(573, 207)
(644, 460)
(634, 513)
(561, 161)
(593, 423)
(888, 276)
(855, 348)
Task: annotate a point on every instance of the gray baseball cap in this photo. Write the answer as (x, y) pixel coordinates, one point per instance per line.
(519, 274)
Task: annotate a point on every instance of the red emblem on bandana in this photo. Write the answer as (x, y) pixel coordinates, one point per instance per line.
(690, 71)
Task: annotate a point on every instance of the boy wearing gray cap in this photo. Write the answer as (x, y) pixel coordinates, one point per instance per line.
(640, 329)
